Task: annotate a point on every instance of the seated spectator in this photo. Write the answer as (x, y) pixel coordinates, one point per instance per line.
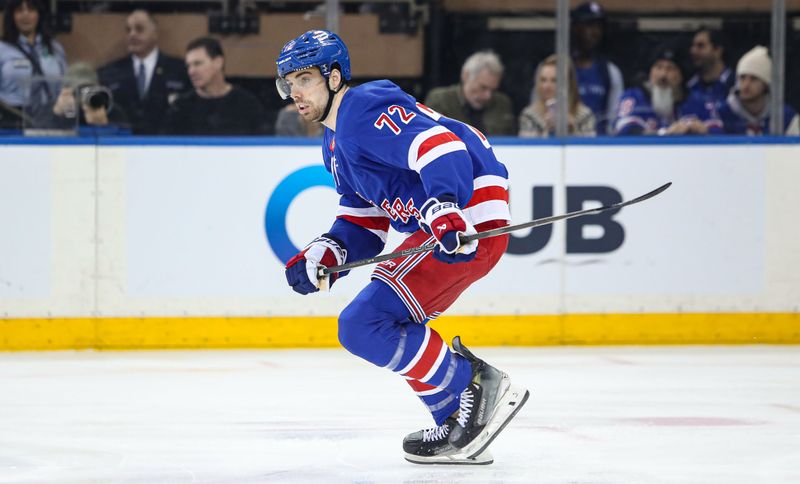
(290, 123)
(661, 105)
(84, 103)
(539, 118)
(31, 62)
(147, 80)
(476, 100)
(214, 107)
(747, 108)
(599, 80)
(713, 79)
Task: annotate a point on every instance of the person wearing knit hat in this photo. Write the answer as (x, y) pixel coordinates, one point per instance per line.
(746, 109)
(756, 63)
(660, 105)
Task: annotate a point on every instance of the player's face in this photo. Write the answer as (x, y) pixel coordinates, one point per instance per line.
(142, 34)
(750, 87)
(478, 89)
(202, 69)
(546, 83)
(26, 18)
(665, 73)
(702, 51)
(309, 93)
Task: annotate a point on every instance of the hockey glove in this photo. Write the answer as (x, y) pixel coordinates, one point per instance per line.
(445, 221)
(302, 270)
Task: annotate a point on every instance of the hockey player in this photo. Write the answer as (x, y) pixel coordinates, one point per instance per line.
(396, 162)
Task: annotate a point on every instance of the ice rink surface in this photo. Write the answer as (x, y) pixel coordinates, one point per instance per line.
(639, 415)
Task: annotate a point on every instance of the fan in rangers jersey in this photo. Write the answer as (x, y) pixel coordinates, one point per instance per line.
(397, 163)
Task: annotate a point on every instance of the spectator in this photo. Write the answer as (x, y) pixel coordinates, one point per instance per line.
(147, 80)
(31, 62)
(539, 118)
(661, 105)
(747, 108)
(83, 103)
(476, 100)
(214, 107)
(290, 123)
(713, 80)
(599, 80)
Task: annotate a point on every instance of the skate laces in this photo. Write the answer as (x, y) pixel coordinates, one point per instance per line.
(435, 433)
(465, 407)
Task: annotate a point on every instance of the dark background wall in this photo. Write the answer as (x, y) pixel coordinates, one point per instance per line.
(625, 45)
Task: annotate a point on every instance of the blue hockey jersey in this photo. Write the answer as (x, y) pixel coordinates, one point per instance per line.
(635, 114)
(737, 120)
(599, 86)
(715, 91)
(390, 154)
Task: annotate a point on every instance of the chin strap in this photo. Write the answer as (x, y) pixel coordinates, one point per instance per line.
(331, 94)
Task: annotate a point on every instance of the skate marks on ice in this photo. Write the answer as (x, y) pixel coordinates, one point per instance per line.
(597, 415)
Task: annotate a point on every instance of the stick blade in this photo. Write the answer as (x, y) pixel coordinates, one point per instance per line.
(647, 195)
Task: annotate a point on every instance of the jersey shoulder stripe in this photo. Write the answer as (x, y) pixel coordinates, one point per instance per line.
(430, 144)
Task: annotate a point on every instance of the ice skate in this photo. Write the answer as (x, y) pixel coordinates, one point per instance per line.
(486, 406)
(431, 446)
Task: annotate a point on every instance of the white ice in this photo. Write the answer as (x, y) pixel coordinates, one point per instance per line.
(596, 415)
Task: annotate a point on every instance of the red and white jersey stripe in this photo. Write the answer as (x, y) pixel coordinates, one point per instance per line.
(430, 144)
(373, 219)
(489, 200)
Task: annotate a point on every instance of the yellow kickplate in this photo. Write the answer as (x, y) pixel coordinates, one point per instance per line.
(317, 332)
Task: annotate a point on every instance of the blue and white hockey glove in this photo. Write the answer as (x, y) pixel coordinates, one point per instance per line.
(302, 270)
(445, 221)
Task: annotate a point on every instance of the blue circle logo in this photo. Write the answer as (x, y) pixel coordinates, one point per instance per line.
(286, 191)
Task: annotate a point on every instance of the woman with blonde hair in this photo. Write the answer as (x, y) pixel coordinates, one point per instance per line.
(538, 119)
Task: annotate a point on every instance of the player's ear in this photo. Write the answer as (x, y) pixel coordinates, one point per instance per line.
(335, 80)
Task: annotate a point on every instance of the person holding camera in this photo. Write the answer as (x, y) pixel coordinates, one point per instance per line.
(84, 103)
(539, 118)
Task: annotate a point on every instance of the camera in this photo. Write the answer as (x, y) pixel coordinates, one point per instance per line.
(94, 96)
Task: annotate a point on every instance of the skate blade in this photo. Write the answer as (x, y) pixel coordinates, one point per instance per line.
(459, 458)
(510, 403)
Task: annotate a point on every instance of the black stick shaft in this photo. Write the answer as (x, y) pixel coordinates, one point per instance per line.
(492, 233)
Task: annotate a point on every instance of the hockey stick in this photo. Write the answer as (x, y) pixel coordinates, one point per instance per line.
(323, 271)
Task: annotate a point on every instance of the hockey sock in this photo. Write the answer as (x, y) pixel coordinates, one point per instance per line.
(377, 327)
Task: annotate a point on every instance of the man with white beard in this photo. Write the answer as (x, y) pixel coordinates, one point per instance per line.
(661, 105)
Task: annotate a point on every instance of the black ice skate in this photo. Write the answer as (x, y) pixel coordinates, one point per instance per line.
(486, 407)
(431, 446)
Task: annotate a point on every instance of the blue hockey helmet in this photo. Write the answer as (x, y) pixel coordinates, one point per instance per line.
(315, 48)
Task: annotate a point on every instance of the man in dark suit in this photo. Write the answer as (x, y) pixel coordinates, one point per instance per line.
(147, 81)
